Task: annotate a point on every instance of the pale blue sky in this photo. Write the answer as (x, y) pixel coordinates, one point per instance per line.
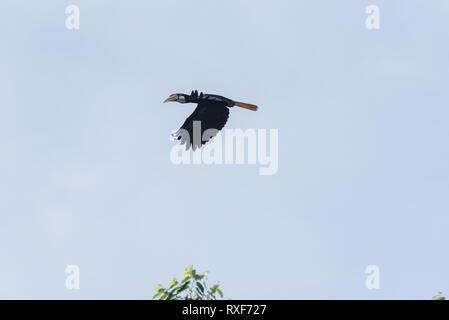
(362, 116)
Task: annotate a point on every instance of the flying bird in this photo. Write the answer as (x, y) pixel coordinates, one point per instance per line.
(211, 115)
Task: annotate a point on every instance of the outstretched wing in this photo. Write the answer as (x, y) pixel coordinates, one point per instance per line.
(207, 115)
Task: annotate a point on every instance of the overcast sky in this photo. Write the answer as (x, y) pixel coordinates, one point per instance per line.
(85, 170)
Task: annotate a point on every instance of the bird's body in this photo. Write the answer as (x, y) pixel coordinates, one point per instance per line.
(209, 117)
(212, 99)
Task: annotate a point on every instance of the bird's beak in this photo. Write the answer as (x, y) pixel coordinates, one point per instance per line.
(172, 97)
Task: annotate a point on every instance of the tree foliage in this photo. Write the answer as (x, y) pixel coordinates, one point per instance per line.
(439, 296)
(192, 287)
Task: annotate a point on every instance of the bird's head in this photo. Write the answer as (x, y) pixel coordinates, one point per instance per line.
(177, 97)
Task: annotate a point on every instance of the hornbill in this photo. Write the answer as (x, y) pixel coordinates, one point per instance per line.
(212, 113)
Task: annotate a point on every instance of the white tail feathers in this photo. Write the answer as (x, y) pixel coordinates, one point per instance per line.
(246, 105)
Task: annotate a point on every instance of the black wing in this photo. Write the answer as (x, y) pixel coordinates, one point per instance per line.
(208, 115)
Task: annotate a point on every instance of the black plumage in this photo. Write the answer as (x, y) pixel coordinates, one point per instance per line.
(210, 116)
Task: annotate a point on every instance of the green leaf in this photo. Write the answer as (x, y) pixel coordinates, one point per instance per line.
(164, 296)
(183, 287)
(158, 294)
(186, 279)
(221, 293)
(174, 289)
(198, 277)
